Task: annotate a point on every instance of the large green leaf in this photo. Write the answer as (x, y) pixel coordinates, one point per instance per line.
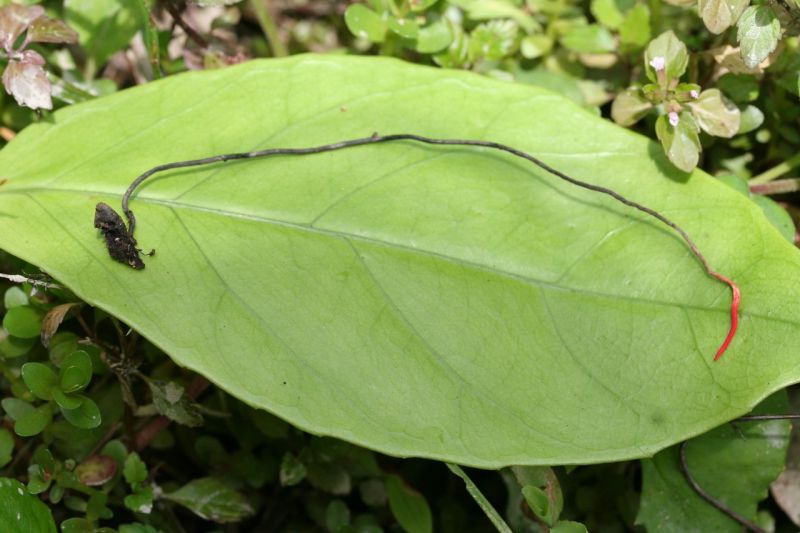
(439, 302)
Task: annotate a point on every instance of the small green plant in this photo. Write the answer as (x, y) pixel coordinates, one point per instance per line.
(685, 108)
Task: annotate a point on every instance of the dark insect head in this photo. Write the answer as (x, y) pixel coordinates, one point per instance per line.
(121, 245)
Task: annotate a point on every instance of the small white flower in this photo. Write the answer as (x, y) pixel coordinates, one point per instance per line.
(658, 63)
(694, 94)
(673, 118)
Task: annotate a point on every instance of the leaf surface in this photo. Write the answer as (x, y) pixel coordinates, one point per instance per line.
(427, 301)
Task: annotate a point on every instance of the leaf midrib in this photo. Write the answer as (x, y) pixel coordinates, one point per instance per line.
(540, 283)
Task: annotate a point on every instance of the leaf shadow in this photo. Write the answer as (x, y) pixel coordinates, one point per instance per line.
(657, 155)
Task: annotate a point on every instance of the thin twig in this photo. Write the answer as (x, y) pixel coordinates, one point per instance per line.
(177, 16)
(782, 186)
(751, 418)
(17, 278)
(710, 499)
(375, 138)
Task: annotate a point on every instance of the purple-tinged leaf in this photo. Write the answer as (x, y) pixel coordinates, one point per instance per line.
(27, 81)
(629, 106)
(47, 30)
(14, 20)
(715, 114)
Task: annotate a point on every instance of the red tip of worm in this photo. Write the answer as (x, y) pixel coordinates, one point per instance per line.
(737, 297)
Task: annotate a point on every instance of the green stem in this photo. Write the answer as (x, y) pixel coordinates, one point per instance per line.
(777, 171)
(269, 27)
(150, 35)
(478, 496)
(655, 16)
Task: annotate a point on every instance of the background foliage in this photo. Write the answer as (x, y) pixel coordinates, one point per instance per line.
(108, 432)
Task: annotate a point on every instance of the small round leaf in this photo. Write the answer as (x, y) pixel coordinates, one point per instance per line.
(408, 506)
(66, 401)
(40, 379)
(406, 28)
(86, 416)
(434, 38)
(76, 371)
(365, 23)
(14, 297)
(33, 422)
(11, 346)
(96, 470)
(23, 321)
(21, 511)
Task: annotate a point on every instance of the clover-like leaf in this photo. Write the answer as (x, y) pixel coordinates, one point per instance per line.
(666, 53)
(719, 15)
(679, 139)
(758, 33)
(715, 114)
(26, 80)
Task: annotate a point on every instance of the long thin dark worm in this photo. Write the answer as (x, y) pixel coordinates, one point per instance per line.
(374, 139)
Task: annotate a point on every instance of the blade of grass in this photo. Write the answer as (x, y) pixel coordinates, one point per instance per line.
(150, 36)
(269, 27)
(478, 496)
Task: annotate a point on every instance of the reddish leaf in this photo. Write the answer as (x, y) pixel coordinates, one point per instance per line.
(96, 470)
(14, 20)
(27, 81)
